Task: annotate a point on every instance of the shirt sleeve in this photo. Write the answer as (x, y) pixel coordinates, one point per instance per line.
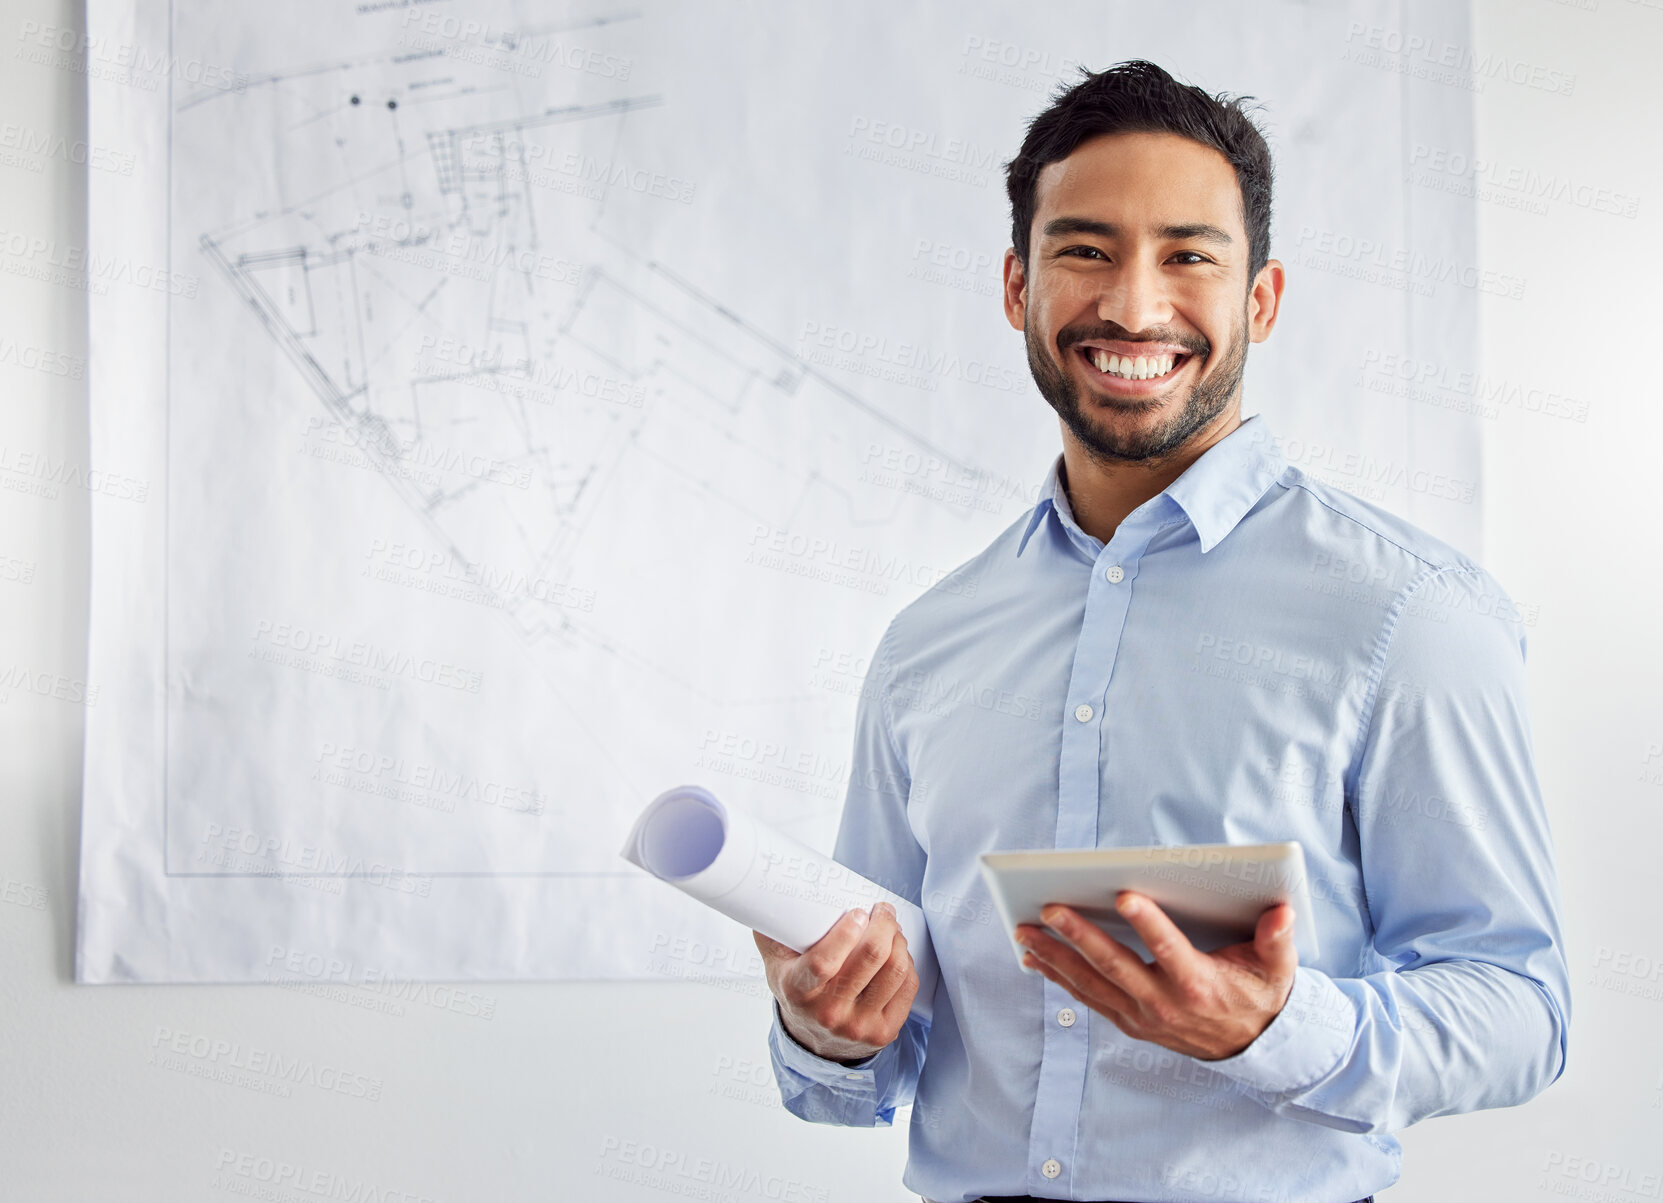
(875, 840)
(1470, 1005)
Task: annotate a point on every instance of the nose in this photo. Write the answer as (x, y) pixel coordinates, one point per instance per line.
(1135, 298)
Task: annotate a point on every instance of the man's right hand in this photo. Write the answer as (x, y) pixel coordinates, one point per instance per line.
(848, 994)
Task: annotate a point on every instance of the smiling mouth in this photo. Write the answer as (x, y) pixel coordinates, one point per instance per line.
(1132, 367)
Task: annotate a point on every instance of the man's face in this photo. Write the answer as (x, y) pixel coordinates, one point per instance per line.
(1135, 302)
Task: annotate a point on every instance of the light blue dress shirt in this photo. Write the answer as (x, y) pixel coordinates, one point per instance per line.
(1253, 657)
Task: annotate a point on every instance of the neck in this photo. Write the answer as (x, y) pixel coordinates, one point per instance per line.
(1101, 493)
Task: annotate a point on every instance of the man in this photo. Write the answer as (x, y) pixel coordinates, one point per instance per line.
(1202, 645)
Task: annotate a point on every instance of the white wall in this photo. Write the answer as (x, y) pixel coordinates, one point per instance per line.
(523, 1104)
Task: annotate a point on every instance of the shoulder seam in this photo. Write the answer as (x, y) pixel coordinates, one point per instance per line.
(883, 664)
(1300, 482)
(1377, 663)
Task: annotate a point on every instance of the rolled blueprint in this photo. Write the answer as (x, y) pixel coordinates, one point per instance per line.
(762, 877)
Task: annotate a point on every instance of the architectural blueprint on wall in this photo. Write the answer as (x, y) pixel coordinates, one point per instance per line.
(535, 406)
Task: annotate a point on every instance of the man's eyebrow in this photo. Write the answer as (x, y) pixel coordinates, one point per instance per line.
(1062, 227)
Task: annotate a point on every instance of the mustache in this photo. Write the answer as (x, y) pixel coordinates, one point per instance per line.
(1195, 344)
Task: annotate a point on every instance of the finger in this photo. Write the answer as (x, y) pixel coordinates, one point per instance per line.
(867, 957)
(821, 960)
(1108, 956)
(1063, 965)
(773, 950)
(896, 1010)
(889, 978)
(1273, 939)
(1170, 947)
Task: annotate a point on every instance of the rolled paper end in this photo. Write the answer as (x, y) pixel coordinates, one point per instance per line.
(679, 835)
(733, 864)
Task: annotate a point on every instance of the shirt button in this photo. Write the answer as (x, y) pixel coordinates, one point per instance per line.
(1115, 574)
(1051, 1168)
(1066, 1017)
(852, 1077)
(1083, 712)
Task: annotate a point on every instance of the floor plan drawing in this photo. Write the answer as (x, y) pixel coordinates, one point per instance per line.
(563, 401)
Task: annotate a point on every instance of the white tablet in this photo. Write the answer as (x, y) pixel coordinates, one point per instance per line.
(1215, 893)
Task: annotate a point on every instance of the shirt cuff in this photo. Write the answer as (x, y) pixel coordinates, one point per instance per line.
(1303, 1043)
(812, 1065)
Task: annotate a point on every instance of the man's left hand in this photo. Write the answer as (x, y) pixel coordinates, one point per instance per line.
(1206, 1005)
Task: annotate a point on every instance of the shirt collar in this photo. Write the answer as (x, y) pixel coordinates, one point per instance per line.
(1215, 492)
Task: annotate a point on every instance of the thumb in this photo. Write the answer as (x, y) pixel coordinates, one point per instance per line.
(771, 949)
(1273, 937)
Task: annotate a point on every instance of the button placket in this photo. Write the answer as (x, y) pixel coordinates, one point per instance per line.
(1064, 1054)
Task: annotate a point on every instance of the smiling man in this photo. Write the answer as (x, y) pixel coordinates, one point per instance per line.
(1222, 651)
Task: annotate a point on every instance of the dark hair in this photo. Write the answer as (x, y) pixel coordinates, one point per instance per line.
(1138, 97)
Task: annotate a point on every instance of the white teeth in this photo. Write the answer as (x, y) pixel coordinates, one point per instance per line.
(1128, 367)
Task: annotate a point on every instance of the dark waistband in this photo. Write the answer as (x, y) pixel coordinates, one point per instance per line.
(1031, 1199)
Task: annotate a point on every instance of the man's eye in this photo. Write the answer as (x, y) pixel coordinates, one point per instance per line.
(1083, 250)
(1193, 257)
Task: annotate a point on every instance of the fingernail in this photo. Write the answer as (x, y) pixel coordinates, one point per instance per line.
(1052, 915)
(860, 919)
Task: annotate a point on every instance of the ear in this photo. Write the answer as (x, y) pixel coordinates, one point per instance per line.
(1016, 290)
(1264, 300)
